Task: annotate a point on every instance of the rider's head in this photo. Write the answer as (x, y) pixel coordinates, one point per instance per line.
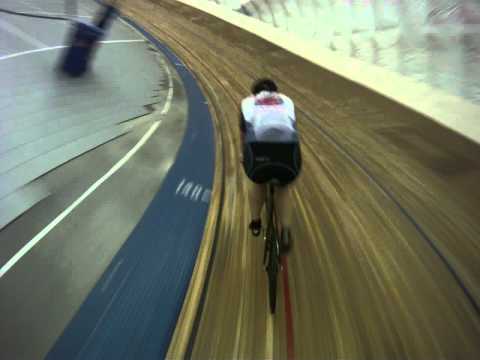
(263, 85)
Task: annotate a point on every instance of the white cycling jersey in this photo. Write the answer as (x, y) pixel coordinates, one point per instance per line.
(269, 117)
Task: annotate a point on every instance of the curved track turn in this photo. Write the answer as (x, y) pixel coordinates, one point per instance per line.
(385, 262)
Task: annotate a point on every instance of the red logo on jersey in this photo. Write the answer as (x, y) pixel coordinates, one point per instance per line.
(269, 100)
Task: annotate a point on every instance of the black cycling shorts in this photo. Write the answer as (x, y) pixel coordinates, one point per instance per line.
(264, 161)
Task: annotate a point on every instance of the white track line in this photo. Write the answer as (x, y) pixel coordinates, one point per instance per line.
(168, 102)
(27, 247)
(121, 41)
(10, 56)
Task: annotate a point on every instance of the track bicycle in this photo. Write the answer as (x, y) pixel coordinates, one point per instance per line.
(272, 251)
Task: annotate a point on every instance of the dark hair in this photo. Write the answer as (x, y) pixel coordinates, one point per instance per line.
(263, 85)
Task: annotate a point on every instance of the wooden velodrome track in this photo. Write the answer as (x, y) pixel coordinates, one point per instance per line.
(385, 263)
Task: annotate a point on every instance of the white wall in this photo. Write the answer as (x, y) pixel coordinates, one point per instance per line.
(334, 22)
(421, 39)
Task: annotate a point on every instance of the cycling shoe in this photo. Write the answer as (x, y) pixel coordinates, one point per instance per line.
(256, 227)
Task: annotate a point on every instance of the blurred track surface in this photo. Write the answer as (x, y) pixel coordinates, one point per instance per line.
(385, 262)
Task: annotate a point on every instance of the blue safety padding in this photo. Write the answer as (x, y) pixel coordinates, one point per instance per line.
(132, 311)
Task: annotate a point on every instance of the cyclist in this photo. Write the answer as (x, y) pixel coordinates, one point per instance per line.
(271, 149)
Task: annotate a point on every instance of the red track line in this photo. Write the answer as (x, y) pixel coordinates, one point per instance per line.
(288, 311)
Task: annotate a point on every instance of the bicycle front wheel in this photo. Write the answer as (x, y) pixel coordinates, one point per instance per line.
(272, 251)
(272, 271)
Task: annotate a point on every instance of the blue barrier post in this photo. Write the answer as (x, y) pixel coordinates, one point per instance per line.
(83, 41)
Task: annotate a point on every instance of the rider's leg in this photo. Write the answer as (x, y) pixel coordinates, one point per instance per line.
(284, 211)
(257, 193)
